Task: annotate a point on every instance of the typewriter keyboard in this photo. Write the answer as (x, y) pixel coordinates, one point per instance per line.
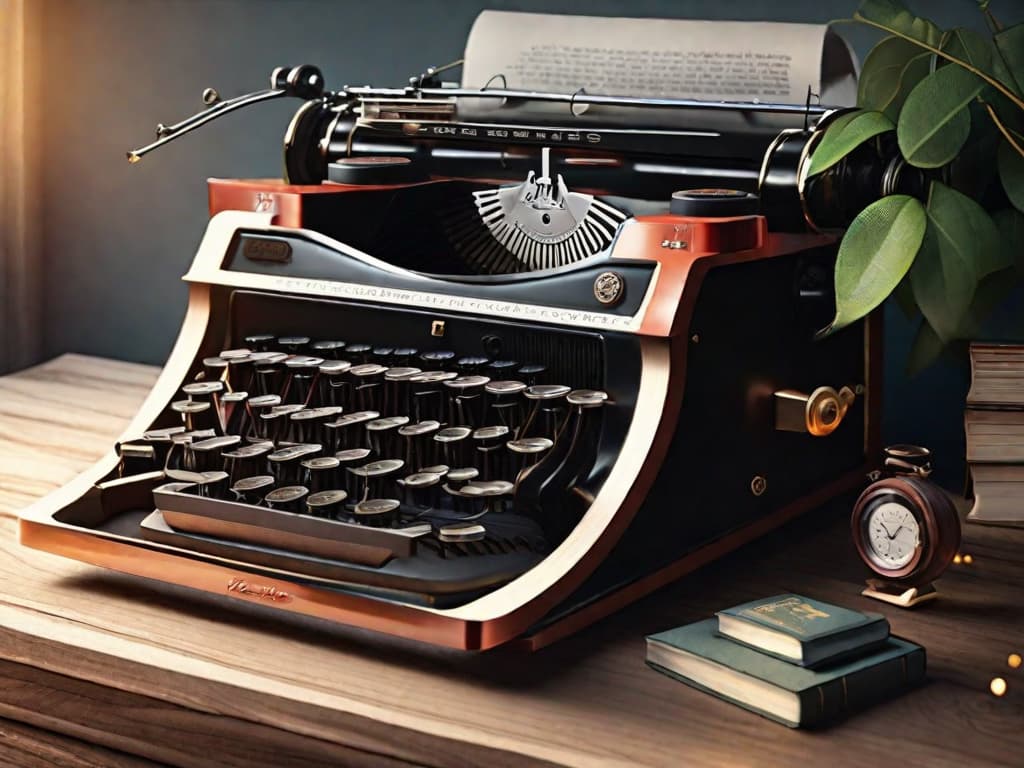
(430, 472)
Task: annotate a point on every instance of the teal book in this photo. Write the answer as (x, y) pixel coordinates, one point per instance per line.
(795, 696)
(803, 631)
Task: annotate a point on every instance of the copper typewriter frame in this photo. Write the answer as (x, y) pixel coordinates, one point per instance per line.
(508, 612)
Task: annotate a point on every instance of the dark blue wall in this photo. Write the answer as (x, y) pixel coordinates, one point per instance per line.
(118, 237)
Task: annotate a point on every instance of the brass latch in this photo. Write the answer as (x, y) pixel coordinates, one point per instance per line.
(818, 413)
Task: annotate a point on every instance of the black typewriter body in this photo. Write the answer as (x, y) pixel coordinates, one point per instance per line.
(412, 403)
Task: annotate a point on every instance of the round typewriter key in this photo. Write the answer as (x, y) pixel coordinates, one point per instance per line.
(383, 355)
(267, 358)
(419, 488)
(548, 413)
(302, 370)
(400, 373)
(347, 432)
(236, 415)
(327, 349)
(249, 490)
(215, 367)
(460, 533)
(207, 453)
(490, 433)
(451, 440)
(304, 361)
(376, 512)
(309, 425)
(212, 484)
(264, 401)
(320, 473)
(284, 462)
(530, 445)
(532, 372)
(459, 477)
(587, 398)
(547, 391)
(293, 345)
(326, 504)
(235, 354)
(203, 389)
(197, 414)
(377, 475)
(404, 355)
(366, 369)
(440, 469)
(471, 363)
(360, 353)
(505, 387)
(287, 499)
(467, 382)
(452, 434)
(260, 342)
(494, 492)
(163, 435)
(247, 460)
(502, 367)
(437, 356)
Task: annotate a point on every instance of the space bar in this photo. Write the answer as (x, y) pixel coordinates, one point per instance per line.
(333, 539)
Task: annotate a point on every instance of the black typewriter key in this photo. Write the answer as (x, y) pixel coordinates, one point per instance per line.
(490, 451)
(212, 484)
(160, 439)
(383, 355)
(403, 356)
(240, 372)
(465, 400)
(287, 499)
(396, 389)
(456, 478)
(359, 354)
(438, 469)
(309, 425)
(493, 493)
(419, 444)
(329, 504)
(241, 353)
(382, 435)
(197, 414)
(548, 413)
(471, 364)
(349, 459)
(293, 345)
(247, 460)
(349, 431)
(301, 374)
(260, 342)
(207, 454)
(453, 444)
(377, 477)
(257, 406)
(367, 385)
(332, 383)
(437, 358)
(530, 450)
(276, 421)
(328, 350)
(501, 369)
(285, 463)
(203, 390)
(268, 373)
(428, 395)
(215, 368)
(420, 488)
(531, 373)
(251, 490)
(320, 473)
(379, 513)
(461, 538)
(235, 413)
(505, 403)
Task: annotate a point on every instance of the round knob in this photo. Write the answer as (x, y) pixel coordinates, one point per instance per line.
(713, 203)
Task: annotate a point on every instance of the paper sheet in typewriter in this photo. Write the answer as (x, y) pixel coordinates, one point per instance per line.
(658, 58)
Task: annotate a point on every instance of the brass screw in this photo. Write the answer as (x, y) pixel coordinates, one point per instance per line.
(758, 485)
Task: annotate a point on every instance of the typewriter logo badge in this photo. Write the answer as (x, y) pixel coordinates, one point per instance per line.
(257, 591)
(608, 288)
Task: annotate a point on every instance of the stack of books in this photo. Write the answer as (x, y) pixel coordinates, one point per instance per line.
(795, 660)
(994, 423)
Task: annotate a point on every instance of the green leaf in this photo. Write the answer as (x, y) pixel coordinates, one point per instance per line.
(974, 168)
(841, 138)
(1010, 225)
(1011, 174)
(967, 45)
(935, 121)
(904, 295)
(891, 70)
(925, 349)
(876, 252)
(894, 17)
(1010, 44)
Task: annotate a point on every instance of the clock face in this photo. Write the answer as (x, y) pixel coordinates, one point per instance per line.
(893, 535)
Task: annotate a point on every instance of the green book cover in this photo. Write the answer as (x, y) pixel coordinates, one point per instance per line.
(801, 630)
(796, 696)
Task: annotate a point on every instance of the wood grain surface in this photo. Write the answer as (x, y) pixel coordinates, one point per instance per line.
(188, 679)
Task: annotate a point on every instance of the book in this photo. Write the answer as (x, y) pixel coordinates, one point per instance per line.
(795, 696)
(994, 436)
(802, 631)
(997, 375)
(998, 491)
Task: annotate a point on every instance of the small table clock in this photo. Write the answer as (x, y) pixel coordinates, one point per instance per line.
(906, 529)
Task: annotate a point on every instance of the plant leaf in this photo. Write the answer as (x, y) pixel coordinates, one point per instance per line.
(891, 70)
(904, 296)
(943, 283)
(1010, 225)
(894, 17)
(1011, 173)
(877, 250)
(841, 139)
(1010, 45)
(935, 121)
(974, 169)
(925, 349)
(967, 45)
(964, 225)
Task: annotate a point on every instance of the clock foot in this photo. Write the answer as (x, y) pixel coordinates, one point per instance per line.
(896, 594)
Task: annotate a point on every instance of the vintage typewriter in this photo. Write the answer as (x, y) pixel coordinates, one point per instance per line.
(475, 380)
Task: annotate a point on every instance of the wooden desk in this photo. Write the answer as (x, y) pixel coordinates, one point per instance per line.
(100, 669)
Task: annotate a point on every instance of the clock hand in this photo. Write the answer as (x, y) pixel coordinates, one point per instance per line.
(894, 535)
